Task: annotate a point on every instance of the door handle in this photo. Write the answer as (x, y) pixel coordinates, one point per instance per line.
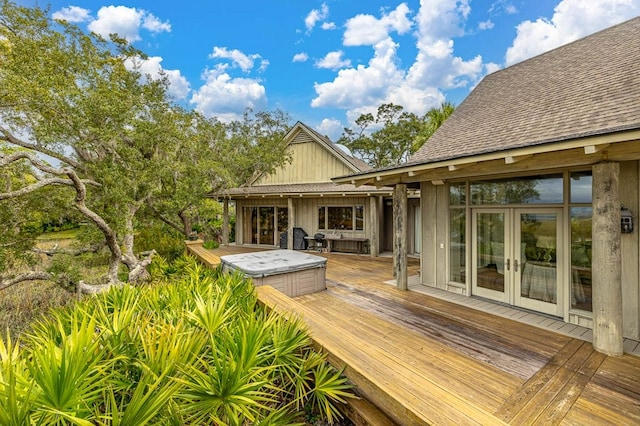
(515, 265)
(508, 264)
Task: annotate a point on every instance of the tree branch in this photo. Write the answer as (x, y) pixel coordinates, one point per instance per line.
(27, 276)
(56, 250)
(6, 135)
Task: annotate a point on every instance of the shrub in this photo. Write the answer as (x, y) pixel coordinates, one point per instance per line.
(197, 350)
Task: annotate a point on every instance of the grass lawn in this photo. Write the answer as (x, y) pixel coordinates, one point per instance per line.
(68, 234)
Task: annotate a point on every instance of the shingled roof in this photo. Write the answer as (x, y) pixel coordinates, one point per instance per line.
(585, 88)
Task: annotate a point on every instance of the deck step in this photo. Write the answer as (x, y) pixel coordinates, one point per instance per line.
(196, 248)
(371, 369)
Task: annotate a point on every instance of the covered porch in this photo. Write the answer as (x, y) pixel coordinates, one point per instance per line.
(422, 359)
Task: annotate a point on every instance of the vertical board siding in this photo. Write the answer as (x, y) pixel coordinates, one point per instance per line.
(311, 163)
(429, 220)
(629, 197)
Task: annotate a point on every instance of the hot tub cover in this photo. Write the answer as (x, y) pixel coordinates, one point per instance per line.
(273, 262)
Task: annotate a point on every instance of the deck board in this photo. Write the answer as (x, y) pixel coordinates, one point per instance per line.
(421, 359)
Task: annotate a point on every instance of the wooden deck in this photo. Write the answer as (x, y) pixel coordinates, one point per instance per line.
(423, 360)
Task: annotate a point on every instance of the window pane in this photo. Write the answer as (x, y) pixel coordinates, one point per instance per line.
(359, 218)
(457, 194)
(321, 217)
(530, 190)
(581, 258)
(283, 219)
(340, 217)
(581, 187)
(457, 245)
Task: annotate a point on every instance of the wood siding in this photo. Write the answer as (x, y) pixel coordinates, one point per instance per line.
(311, 163)
(434, 259)
(306, 214)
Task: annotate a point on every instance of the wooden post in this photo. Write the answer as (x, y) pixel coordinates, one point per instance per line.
(606, 260)
(225, 222)
(374, 226)
(400, 235)
(291, 221)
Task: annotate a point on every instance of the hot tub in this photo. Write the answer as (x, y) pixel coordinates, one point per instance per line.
(292, 272)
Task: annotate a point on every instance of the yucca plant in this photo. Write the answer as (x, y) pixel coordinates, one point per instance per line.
(195, 350)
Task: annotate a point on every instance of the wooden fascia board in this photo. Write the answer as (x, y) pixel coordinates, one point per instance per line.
(395, 175)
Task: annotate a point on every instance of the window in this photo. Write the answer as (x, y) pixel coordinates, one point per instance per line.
(528, 190)
(348, 218)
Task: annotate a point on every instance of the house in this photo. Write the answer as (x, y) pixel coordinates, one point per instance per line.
(302, 195)
(530, 189)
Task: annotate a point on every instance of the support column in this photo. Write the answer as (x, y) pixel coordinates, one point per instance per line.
(225, 222)
(374, 226)
(291, 222)
(400, 235)
(606, 260)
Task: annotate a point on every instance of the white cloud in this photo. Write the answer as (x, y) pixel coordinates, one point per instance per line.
(73, 14)
(364, 85)
(178, 85)
(238, 59)
(328, 26)
(126, 22)
(316, 16)
(503, 6)
(300, 57)
(331, 128)
(435, 68)
(485, 25)
(367, 30)
(227, 98)
(571, 20)
(333, 61)
(155, 25)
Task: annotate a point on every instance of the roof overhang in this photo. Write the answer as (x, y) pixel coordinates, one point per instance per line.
(622, 146)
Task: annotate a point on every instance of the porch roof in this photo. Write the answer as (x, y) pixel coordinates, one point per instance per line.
(304, 190)
(576, 100)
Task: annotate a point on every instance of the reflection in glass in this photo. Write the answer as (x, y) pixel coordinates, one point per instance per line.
(581, 289)
(267, 225)
(457, 194)
(359, 218)
(530, 190)
(539, 268)
(283, 219)
(581, 187)
(490, 258)
(457, 245)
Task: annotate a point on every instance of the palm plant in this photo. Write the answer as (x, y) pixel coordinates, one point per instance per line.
(195, 350)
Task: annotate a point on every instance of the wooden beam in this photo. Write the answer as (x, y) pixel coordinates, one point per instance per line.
(225, 222)
(291, 222)
(512, 159)
(607, 260)
(455, 167)
(374, 226)
(594, 149)
(400, 235)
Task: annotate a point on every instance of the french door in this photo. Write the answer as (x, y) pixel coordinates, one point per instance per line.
(518, 258)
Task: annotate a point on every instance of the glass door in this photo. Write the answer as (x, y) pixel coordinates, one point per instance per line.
(538, 259)
(517, 257)
(490, 266)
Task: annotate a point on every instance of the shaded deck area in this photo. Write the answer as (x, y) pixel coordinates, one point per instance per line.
(423, 360)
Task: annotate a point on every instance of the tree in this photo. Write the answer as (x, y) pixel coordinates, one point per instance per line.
(117, 146)
(215, 156)
(399, 133)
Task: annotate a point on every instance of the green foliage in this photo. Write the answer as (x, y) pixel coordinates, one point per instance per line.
(165, 240)
(393, 135)
(198, 349)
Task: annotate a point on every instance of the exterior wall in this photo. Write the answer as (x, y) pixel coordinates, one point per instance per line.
(306, 214)
(311, 163)
(630, 198)
(435, 246)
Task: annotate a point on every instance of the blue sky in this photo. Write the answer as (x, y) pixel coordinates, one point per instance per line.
(327, 62)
